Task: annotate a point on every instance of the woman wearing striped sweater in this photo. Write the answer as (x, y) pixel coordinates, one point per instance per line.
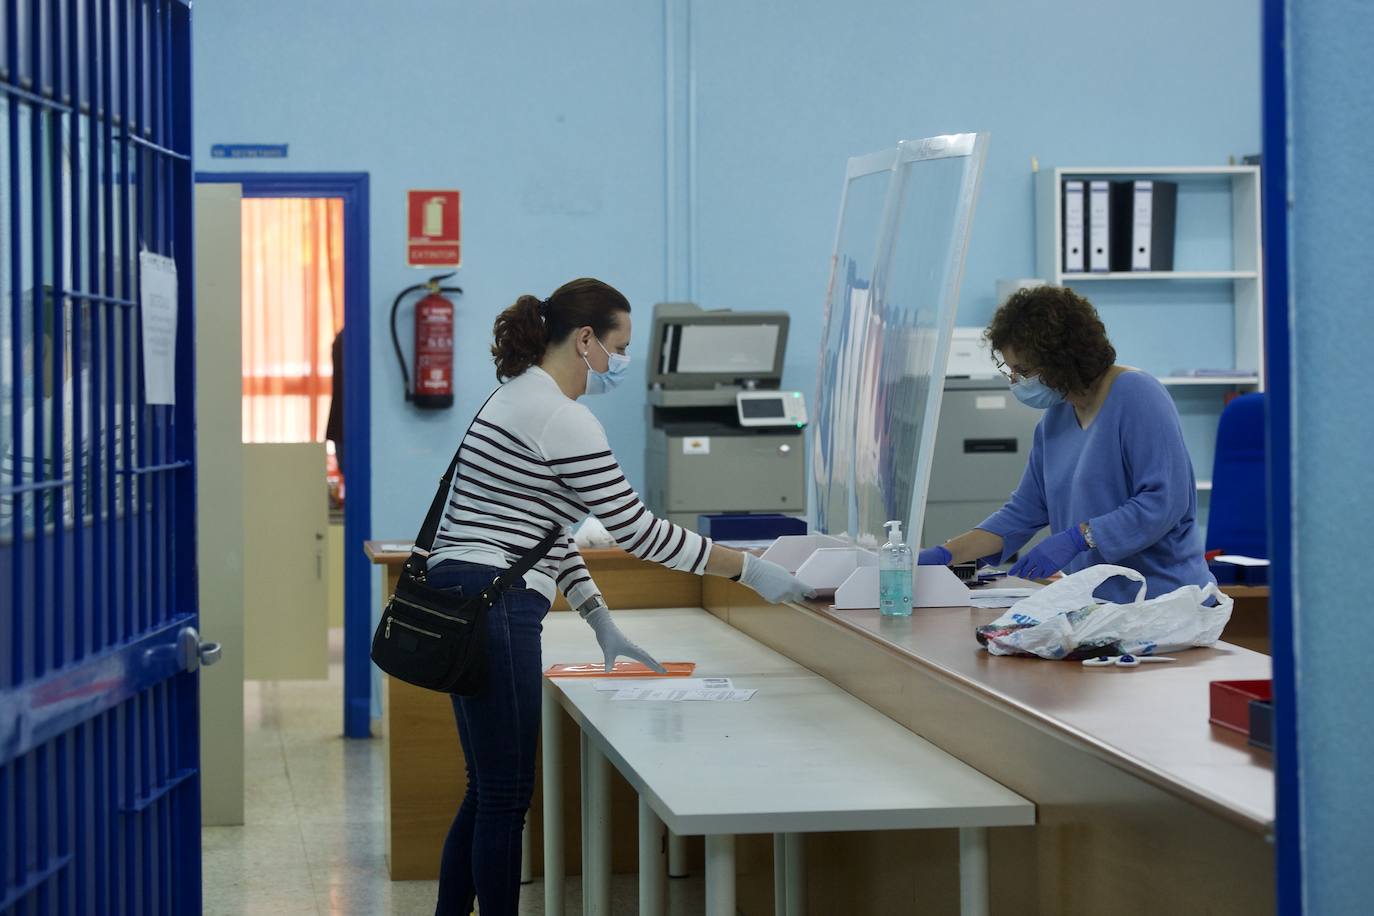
(535, 459)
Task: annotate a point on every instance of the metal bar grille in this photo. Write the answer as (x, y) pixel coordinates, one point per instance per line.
(99, 784)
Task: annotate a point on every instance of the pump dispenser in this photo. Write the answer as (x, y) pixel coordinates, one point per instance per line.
(894, 574)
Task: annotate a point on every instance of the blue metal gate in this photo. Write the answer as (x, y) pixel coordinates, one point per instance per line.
(99, 731)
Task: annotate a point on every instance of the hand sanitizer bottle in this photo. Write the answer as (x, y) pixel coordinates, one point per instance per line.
(894, 574)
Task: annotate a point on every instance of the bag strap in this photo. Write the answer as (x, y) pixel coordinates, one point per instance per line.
(418, 561)
(424, 541)
(526, 562)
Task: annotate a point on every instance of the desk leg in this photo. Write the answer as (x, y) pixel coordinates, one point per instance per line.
(553, 802)
(796, 873)
(720, 875)
(973, 871)
(653, 885)
(526, 858)
(596, 831)
(789, 874)
(779, 874)
(677, 856)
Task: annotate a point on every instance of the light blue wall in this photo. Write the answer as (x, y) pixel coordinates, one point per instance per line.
(547, 115)
(550, 116)
(789, 90)
(1331, 92)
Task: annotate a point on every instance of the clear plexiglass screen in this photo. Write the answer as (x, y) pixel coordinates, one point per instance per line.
(890, 351)
(846, 313)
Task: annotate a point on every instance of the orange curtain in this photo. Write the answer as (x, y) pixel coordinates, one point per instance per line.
(292, 308)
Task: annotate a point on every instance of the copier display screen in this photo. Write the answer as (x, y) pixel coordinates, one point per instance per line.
(761, 408)
(745, 349)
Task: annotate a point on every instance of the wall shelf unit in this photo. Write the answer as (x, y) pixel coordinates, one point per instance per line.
(1227, 381)
(1217, 244)
(1162, 275)
(1244, 270)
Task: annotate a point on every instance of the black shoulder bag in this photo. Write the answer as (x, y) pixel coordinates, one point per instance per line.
(437, 638)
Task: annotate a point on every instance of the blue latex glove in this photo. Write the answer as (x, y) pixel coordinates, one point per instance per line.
(1050, 555)
(934, 556)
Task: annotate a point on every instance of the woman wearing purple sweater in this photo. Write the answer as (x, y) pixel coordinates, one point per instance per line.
(1108, 471)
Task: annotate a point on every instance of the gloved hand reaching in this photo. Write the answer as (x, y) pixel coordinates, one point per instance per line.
(613, 642)
(935, 556)
(1050, 555)
(772, 581)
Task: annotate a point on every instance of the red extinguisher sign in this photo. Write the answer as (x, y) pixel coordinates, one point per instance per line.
(434, 229)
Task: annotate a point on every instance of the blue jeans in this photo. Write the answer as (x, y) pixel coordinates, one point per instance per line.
(499, 730)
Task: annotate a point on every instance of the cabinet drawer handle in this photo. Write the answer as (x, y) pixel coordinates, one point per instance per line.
(989, 446)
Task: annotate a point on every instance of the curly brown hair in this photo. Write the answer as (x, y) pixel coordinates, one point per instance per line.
(1056, 334)
(524, 331)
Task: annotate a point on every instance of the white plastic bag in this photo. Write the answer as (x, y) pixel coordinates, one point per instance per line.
(1064, 620)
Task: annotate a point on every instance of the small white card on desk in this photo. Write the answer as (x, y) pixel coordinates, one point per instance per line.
(997, 597)
(730, 696)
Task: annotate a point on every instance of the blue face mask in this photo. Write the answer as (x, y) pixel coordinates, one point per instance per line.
(618, 364)
(1032, 392)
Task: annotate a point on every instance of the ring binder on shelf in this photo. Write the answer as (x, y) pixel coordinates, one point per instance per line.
(1099, 226)
(1073, 227)
(1143, 213)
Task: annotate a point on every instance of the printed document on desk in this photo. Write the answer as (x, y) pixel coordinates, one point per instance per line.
(672, 695)
(672, 683)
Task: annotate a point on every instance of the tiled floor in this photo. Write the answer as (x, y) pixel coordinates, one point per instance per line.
(313, 841)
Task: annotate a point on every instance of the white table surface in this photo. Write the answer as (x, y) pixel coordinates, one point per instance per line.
(669, 635)
(801, 756)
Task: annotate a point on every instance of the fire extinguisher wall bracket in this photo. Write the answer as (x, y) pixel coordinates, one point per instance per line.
(434, 319)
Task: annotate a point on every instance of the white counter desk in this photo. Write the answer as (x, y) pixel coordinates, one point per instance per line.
(801, 756)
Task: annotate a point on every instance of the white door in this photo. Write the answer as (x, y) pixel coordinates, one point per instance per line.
(219, 498)
(285, 525)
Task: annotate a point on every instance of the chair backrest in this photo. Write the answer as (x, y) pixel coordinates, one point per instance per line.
(1238, 521)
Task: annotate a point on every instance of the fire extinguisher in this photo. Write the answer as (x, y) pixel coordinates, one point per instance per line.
(433, 344)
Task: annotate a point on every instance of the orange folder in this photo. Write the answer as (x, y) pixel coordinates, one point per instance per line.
(621, 669)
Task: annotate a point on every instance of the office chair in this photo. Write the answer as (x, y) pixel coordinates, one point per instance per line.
(1237, 523)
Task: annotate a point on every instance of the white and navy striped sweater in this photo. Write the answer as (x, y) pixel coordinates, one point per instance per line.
(535, 458)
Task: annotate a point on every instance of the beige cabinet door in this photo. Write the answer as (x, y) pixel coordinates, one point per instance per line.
(219, 499)
(286, 521)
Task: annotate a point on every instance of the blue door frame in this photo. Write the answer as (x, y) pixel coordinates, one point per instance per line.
(99, 707)
(1278, 430)
(357, 468)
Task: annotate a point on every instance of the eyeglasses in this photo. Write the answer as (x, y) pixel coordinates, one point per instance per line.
(1008, 372)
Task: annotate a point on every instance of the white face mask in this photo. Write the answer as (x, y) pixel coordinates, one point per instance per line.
(617, 365)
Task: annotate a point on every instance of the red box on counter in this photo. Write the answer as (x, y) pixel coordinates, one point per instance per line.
(1230, 702)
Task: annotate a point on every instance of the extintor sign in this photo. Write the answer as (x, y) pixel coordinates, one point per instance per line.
(433, 229)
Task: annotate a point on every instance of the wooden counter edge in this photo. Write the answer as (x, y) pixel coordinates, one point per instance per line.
(1107, 753)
